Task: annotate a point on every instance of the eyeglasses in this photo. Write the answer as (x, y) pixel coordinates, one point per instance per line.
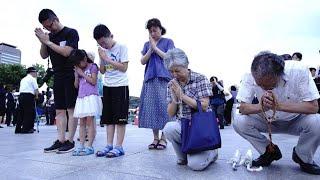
(48, 27)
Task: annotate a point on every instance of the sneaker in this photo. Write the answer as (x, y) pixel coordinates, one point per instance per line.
(267, 158)
(66, 147)
(54, 148)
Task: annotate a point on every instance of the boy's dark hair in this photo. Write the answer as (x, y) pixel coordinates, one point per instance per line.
(46, 14)
(100, 31)
(299, 55)
(77, 55)
(154, 22)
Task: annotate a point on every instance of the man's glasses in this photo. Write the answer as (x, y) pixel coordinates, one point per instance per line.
(49, 26)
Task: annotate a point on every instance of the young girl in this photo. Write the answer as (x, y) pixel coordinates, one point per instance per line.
(88, 103)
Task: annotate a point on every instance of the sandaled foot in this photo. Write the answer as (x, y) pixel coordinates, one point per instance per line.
(162, 144)
(115, 152)
(104, 151)
(154, 144)
(78, 151)
(87, 151)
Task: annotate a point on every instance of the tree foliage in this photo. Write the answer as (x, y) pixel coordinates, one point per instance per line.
(11, 74)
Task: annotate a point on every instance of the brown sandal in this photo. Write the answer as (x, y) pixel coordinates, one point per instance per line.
(162, 146)
(154, 145)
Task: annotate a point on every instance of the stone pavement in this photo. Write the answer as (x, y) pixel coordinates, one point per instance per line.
(22, 157)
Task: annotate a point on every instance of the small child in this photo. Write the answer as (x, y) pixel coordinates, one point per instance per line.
(88, 103)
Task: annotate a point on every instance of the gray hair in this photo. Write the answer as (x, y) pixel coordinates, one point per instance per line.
(176, 57)
(267, 64)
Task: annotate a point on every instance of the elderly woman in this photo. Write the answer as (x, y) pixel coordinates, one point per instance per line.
(183, 91)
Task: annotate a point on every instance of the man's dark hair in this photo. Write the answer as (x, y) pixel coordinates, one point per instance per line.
(233, 88)
(286, 57)
(154, 22)
(46, 14)
(312, 69)
(299, 55)
(213, 78)
(267, 64)
(101, 31)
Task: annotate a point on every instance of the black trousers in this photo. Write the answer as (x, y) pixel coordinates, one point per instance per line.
(26, 112)
(228, 110)
(9, 113)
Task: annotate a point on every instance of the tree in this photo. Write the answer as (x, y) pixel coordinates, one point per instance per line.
(11, 74)
(41, 73)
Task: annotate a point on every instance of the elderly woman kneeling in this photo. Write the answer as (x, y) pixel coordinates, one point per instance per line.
(183, 90)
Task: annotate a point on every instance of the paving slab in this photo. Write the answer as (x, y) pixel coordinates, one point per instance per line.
(22, 157)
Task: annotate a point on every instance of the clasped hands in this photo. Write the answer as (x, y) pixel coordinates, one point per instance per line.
(176, 90)
(269, 101)
(42, 36)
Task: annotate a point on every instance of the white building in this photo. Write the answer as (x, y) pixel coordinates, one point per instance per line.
(9, 54)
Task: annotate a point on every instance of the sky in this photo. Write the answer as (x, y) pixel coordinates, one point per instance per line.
(220, 38)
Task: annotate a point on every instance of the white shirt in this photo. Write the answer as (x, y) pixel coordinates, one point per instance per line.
(296, 85)
(28, 84)
(114, 77)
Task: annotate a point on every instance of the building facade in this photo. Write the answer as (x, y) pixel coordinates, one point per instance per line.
(9, 54)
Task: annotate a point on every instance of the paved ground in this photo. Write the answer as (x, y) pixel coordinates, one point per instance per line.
(22, 157)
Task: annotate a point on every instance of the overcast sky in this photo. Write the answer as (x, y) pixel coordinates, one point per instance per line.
(219, 37)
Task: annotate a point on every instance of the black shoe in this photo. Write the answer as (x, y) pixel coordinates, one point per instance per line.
(308, 168)
(54, 148)
(66, 147)
(267, 158)
(27, 131)
(1, 127)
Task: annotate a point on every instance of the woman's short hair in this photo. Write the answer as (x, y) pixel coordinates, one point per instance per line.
(176, 57)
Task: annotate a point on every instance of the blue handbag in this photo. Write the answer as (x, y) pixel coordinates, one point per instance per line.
(201, 133)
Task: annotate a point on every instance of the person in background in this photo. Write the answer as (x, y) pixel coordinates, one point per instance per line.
(286, 57)
(297, 56)
(313, 72)
(317, 81)
(10, 105)
(26, 109)
(2, 103)
(153, 106)
(217, 100)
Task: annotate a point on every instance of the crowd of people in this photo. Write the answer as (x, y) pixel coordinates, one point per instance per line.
(278, 87)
